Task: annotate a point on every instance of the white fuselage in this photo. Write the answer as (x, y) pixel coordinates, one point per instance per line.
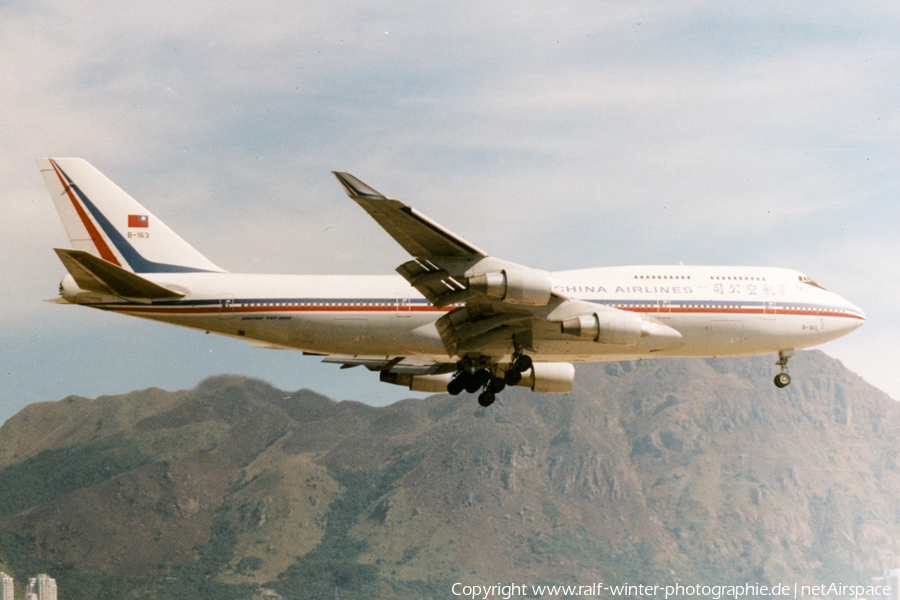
(719, 311)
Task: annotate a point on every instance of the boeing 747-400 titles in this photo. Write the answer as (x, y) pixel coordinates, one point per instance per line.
(454, 319)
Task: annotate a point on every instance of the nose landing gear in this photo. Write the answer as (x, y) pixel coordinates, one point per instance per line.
(783, 379)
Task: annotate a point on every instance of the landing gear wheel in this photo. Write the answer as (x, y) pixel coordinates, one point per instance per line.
(464, 381)
(486, 398)
(783, 379)
(483, 376)
(455, 387)
(522, 363)
(512, 377)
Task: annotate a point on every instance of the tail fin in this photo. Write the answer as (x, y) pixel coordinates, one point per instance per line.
(104, 221)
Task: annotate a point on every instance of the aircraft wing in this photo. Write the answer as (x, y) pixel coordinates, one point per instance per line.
(498, 304)
(446, 268)
(499, 308)
(419, 235)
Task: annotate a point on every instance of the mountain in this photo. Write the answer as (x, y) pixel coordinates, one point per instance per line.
(696, 471)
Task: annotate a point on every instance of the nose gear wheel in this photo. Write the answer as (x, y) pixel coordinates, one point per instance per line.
(783, 379)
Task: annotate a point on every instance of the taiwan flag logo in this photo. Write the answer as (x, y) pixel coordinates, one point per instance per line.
(138, 221)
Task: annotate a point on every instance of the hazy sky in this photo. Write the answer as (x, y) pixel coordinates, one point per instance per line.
(559, 135)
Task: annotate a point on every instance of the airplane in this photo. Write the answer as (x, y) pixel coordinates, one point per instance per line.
(454, 319)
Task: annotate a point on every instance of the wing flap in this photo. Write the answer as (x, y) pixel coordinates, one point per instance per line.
(472, 328)
(434, 282)
(398, 364)
(373, 363)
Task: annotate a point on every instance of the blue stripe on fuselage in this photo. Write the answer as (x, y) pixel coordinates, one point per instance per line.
(648, 307)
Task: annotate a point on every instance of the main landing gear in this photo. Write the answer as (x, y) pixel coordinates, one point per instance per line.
(472, 381)
(783, 379)
(473, 376)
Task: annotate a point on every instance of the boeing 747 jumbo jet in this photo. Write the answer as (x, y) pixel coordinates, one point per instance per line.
(455, 318)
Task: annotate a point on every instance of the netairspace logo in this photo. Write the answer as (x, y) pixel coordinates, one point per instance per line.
(714, 592)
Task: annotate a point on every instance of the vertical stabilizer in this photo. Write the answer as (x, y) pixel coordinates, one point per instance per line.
(101, 219)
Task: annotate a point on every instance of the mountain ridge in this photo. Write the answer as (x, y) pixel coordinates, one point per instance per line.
(647, 471)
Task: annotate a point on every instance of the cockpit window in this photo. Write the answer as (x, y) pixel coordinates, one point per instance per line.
(809, 281)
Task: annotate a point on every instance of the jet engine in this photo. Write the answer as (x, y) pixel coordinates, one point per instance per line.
(611, 327)
(516, 286)
(418, 383)
(550, 378)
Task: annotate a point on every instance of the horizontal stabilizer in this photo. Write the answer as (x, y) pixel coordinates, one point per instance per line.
(97, 275)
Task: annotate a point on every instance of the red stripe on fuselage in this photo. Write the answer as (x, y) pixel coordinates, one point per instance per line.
(105, 253)
(808, 312)
(326, 308)
(218, 309)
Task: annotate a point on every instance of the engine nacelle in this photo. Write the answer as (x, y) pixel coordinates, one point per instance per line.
(612, 327)
(418, 383)
(516, 286)
(550, 378)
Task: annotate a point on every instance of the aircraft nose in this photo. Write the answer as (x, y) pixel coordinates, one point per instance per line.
(854, 316)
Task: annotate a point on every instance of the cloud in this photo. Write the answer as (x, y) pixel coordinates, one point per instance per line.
(572, 135)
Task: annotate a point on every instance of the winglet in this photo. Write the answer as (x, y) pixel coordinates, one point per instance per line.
(356, 188)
